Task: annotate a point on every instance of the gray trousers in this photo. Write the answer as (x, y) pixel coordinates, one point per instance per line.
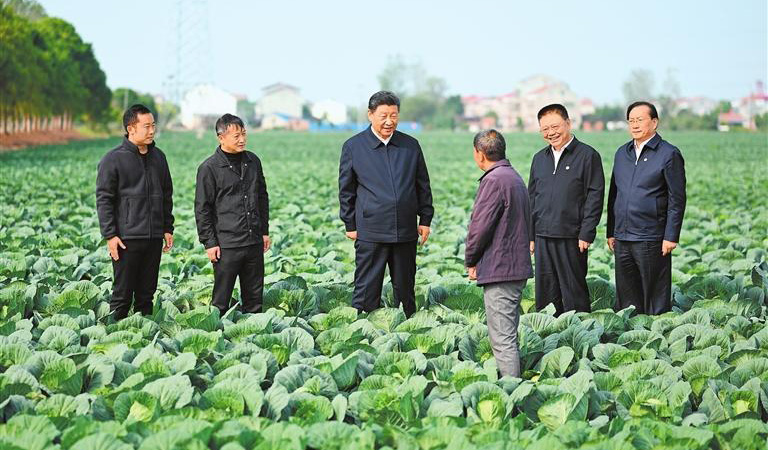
(502, 313)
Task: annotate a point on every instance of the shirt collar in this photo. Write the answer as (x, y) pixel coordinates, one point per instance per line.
(383, 141)
(643, 144)
(564, 146)
(223, 161)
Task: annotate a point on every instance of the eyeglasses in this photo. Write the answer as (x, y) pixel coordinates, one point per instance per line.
(636, 121)
(554, 128)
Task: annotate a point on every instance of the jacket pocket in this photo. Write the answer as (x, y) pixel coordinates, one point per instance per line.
(126, 210)
(156, 210)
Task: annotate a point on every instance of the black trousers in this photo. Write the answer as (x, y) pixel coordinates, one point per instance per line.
(135, 276)
(370, 260)
(643, 277)
(561, 275)
(246, 263)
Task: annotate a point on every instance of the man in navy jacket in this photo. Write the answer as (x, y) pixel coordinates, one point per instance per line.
(383, 187)
(496, 251)
(646, 203)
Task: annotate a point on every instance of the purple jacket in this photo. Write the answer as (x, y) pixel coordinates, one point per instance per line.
(497, 241)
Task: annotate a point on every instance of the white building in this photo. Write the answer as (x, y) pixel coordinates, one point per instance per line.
(517, 109)
(280, 98)
(329, 111)
(205, 103)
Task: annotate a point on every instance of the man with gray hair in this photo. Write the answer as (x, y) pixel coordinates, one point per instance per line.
(232, 215)
(496, 252)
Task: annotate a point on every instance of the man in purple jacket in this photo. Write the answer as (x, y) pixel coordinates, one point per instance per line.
(497, 254)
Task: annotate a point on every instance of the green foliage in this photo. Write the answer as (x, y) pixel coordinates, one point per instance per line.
(309, 372)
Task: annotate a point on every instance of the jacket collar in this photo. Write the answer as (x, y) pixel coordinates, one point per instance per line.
(130, 146)
(653, 144)
(497, 164)
(223, 161)
(568, 148)
(374, 142)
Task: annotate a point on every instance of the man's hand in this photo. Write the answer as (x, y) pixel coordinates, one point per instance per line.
(168, 242)
(532, 247)
(214, 253)
(472, 271)
(583, 245)
(267, 243)
(667, 247)
(112, 245)
(424, 233)
(611, 243)
(352, 235)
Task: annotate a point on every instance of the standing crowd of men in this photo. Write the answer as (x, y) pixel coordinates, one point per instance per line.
(385, 203)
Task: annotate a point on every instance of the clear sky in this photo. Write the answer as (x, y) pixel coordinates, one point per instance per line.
(335, 49)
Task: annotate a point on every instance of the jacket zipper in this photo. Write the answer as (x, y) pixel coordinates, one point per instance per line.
(149, 197)
(243, 165)
(632, 181)
(394, 190)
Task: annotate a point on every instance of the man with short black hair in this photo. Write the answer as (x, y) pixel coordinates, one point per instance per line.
(646, 204)
(496, 250)
(232, 215)
(134, 201)
(566, 190)
(383, 187)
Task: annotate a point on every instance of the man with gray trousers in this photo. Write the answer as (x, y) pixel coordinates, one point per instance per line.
(497, 254)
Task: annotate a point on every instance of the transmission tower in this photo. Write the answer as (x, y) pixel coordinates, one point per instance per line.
(188, 59)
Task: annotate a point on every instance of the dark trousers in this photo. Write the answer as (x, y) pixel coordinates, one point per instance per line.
(643, 277)
(135, 276)
(561, 275)
(370, 260)
(246, 263)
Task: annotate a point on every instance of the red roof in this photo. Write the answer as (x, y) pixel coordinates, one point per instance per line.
(730, 117)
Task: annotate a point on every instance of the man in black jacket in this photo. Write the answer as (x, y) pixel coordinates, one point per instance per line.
(383, 187)
(134, 201)
(232, 215)
(566, 190)
(646, 203)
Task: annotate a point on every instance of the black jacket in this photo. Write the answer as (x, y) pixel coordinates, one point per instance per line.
(231, 210)
(382, 188)
(567, 202)
(646, 200)
(134, 201)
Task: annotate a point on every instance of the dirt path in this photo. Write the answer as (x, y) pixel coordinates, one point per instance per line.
(19, 141)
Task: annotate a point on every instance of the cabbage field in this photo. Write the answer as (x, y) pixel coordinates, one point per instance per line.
(308, 373)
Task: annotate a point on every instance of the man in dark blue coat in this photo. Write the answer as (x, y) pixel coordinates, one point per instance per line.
(646, 203)
(383, 187)
(496, 251)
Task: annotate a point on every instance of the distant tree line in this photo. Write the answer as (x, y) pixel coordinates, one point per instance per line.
(423, 96)
(49, 77)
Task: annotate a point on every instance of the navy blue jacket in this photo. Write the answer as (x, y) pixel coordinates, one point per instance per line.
(567, 202)
(646, 200)
(497, 240)
(382, 188)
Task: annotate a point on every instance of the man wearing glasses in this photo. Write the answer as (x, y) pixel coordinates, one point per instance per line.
(646, 203)
(566, 189)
